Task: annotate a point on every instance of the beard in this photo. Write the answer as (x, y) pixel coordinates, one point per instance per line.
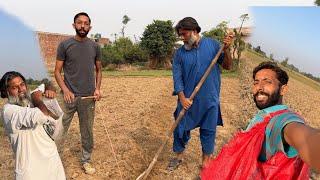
(272, 99)
(189, 44)
(23, 99)
(81, 32)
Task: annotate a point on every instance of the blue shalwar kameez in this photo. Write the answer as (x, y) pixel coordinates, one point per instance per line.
(188, 68)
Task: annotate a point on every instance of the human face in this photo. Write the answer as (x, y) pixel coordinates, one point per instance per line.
(82, 26)
(18, 92)
(188, 37)
(267, 89)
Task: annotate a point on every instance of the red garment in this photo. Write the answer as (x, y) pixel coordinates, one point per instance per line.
(239, 159)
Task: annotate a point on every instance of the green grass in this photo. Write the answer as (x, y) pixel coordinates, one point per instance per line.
(138, 73)
(153, 73)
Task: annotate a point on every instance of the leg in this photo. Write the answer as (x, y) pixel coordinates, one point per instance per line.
(178, 148)
(85, 109)
(69, 110)
(207, 138)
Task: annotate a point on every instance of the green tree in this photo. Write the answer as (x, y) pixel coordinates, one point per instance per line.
(218, 32)
(123, 51)
(317, 2)
(158, 40)
(238, 44)
(125, 20)
(285, 62)
(271, 57)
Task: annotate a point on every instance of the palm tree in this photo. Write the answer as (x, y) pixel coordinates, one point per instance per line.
(125, 20)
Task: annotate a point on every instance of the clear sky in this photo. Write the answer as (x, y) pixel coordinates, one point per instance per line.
(19, 49)
(57, 16)
(291, 32)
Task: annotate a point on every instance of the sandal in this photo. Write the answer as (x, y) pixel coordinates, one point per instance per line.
(174, 164)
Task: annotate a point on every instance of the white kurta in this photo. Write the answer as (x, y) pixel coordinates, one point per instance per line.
(36, 154)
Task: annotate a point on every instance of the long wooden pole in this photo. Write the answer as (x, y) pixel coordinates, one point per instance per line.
(145, 174)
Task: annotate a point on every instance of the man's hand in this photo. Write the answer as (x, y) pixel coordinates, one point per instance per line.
(185, 102)
(227, 40)
(97, 94)
(50, 94)
(68, 96)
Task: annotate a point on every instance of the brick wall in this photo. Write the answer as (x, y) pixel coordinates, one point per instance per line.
(49, 43)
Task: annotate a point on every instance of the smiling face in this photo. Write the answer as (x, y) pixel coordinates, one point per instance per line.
(267, 89)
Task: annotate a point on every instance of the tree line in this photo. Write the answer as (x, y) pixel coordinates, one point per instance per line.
(158, 44)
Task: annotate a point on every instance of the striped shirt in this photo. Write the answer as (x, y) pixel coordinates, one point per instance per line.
(274, 140)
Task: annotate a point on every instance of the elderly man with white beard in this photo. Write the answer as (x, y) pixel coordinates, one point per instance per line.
(30, 122)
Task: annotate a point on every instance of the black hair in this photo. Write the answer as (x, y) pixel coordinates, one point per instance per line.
(6, 78)
(81, 14)
(188, 23)
(282, 75)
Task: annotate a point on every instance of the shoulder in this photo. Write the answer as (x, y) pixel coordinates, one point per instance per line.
(287, 117)
(63, 45)
(92, 43)
(210, 40)
(207, 41)
(67, 41)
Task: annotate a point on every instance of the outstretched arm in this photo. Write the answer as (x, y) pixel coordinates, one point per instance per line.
(306, 140)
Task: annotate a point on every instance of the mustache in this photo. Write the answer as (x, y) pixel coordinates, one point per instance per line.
(23, 99)
(261, 93)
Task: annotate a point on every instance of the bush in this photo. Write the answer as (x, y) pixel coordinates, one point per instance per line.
(123, 51)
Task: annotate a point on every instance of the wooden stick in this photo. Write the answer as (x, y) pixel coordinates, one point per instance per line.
(91, 97)
(145, 174)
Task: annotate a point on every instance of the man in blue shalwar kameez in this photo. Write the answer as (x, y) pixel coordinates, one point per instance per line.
(189, 65)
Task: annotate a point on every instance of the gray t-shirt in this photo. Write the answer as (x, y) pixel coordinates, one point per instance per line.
(79, 64)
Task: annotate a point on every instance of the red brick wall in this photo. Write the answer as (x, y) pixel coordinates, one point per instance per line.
(48, 46)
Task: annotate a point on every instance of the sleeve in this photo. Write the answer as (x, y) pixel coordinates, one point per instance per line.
(41, 88)
(276, 141)
(17, 117)
(98, 55)
(177, 74)
(61, 52)
(221, 57)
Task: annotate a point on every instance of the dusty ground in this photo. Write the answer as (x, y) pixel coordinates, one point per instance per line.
(135, 115)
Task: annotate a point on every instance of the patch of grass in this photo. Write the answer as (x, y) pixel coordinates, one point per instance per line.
(138, 73)
(154, 73)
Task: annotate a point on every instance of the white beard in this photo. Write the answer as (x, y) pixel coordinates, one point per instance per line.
(188, 46)
(23, 100)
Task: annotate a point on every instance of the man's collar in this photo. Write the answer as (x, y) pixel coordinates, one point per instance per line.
(273, 109)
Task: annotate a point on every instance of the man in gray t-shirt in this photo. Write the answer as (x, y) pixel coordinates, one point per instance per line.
(80, 59)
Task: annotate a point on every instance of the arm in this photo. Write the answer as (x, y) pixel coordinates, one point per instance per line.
(17, 117)
(50, 91)
(227, 61)
(67, 94)
(37, 102)
(306, 140)
(97, 91)
(178, 83)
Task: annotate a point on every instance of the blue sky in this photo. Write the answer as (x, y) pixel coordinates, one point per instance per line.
(19, 48)
(291, 32)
